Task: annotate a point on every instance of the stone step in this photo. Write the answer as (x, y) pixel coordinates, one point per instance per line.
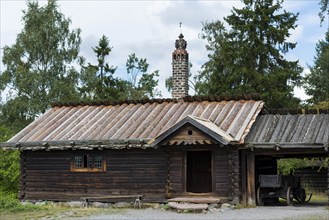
(207, 200)
(188, 206)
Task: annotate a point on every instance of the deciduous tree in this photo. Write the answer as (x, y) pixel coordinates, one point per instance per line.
(99, 83)
(39, 65)
(143, 84)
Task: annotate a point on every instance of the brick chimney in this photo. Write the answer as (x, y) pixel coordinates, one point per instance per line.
(180, 69)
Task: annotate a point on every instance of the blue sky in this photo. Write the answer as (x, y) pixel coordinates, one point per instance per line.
(150, 28)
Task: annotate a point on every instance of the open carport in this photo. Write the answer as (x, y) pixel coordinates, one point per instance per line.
(275, 136)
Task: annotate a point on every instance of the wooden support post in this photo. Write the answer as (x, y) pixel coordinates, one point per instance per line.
(328, 182)
(251, 195)
(22, 180)
(243, 166)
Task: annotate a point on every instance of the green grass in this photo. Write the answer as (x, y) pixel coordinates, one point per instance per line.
(56, 212)
(11, 208)
(318, 197)
(240, 206)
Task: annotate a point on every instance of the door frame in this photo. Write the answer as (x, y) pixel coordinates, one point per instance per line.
(213, 183)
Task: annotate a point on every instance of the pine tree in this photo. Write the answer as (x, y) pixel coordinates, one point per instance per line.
(98, 81)
(249, 56)
(324, 4)
(317, 82)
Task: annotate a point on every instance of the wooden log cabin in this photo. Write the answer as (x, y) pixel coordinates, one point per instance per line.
(157, 148)
(162, 148)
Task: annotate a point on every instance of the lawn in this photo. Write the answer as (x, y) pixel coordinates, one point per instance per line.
(53, 211)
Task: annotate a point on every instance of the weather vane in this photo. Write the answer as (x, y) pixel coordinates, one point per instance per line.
(180, 26)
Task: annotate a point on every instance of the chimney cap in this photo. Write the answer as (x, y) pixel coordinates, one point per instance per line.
(180, 43)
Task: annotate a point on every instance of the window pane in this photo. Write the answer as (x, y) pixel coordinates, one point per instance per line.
(98, 161)
(78, 161)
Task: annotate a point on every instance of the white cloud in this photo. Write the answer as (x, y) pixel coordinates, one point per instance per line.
(300, 93)
(150, 28)
(296, 34)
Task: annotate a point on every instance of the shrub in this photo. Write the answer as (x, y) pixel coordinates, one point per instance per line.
(10, 203)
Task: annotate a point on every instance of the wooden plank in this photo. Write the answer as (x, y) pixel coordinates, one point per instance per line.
(208, 200)
(251, 195)
(243, 178)
(183, 206)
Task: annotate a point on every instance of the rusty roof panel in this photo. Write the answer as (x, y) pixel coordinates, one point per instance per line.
(136, 120)
(307, 129)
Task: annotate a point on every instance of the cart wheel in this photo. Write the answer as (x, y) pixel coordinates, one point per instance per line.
(259, 197)
(290, 196)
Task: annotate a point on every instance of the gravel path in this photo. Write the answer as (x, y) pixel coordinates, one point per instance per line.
(269, 212)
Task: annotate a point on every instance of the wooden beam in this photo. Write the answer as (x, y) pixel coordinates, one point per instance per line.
(251, 195)
(243, 178)
(328, 182)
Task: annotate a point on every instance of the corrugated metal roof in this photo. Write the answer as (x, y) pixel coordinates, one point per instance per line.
(136, 120)
(290, 129)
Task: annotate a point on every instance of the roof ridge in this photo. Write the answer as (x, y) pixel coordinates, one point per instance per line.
(296, 111)
(210, 98)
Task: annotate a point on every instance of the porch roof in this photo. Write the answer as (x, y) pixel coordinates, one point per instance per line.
(290, 131)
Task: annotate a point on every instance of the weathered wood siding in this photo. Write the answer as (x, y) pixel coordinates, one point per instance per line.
(176, 173)
(313, 178)
(221, 174)
(46, 175)
(225, 171)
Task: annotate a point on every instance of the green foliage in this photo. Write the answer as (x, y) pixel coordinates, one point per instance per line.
(135, 66)
(14, 113)
(249, 57)
(317, 82)
(5, 133)
(324, 4)
(168, 84)
(98, 81)
(9, 165)
(322, 105)
(288, 166)
(10, 203)
(38, 67)
(143, 84)
(9, 171)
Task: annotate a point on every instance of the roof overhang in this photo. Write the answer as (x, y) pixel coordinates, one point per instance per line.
(78, 145)
(287, 145)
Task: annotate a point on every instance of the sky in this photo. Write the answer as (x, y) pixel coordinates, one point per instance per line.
(149, 29)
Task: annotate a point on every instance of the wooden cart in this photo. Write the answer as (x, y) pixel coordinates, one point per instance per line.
(273, 187)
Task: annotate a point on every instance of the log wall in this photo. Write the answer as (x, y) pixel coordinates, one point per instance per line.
(221, 173)
(46, 175)
(176, 173)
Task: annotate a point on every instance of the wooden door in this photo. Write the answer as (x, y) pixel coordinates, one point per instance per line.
(198, 172)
